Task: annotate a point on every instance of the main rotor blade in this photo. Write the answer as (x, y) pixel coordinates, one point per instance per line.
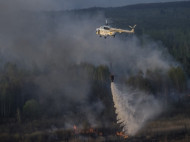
(107, 22)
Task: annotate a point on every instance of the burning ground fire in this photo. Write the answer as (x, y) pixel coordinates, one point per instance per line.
(122, 134)
(87, 131)
(96, 132)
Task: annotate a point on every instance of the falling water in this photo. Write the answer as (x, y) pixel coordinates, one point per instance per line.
(133, 108)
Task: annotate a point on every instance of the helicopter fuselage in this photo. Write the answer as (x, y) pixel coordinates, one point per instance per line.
(109, 31)
(105, 31)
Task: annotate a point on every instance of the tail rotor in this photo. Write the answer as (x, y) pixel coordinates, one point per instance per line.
(132, 27)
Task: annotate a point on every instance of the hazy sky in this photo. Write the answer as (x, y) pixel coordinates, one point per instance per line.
(68, 4)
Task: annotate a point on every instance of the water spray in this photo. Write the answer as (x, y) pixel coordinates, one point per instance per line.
(133, 108)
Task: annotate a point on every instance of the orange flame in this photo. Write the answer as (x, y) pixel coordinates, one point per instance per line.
(122, 134)
(75, 127)
(100, 133)
(91, 130)
(87, 131)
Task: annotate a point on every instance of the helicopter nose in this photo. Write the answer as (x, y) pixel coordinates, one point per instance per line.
(96, 31)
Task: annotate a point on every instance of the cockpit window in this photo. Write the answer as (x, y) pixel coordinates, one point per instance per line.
(106, 28)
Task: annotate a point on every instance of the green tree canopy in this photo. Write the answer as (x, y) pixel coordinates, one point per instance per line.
(31, 108)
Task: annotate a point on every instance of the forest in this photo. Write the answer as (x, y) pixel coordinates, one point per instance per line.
(26, 108)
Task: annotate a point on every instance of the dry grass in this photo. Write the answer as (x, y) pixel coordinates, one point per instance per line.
(163, 129)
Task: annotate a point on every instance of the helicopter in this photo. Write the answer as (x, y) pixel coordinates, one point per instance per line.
(107, 30)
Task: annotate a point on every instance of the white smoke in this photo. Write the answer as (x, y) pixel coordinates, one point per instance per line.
(134, 108)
